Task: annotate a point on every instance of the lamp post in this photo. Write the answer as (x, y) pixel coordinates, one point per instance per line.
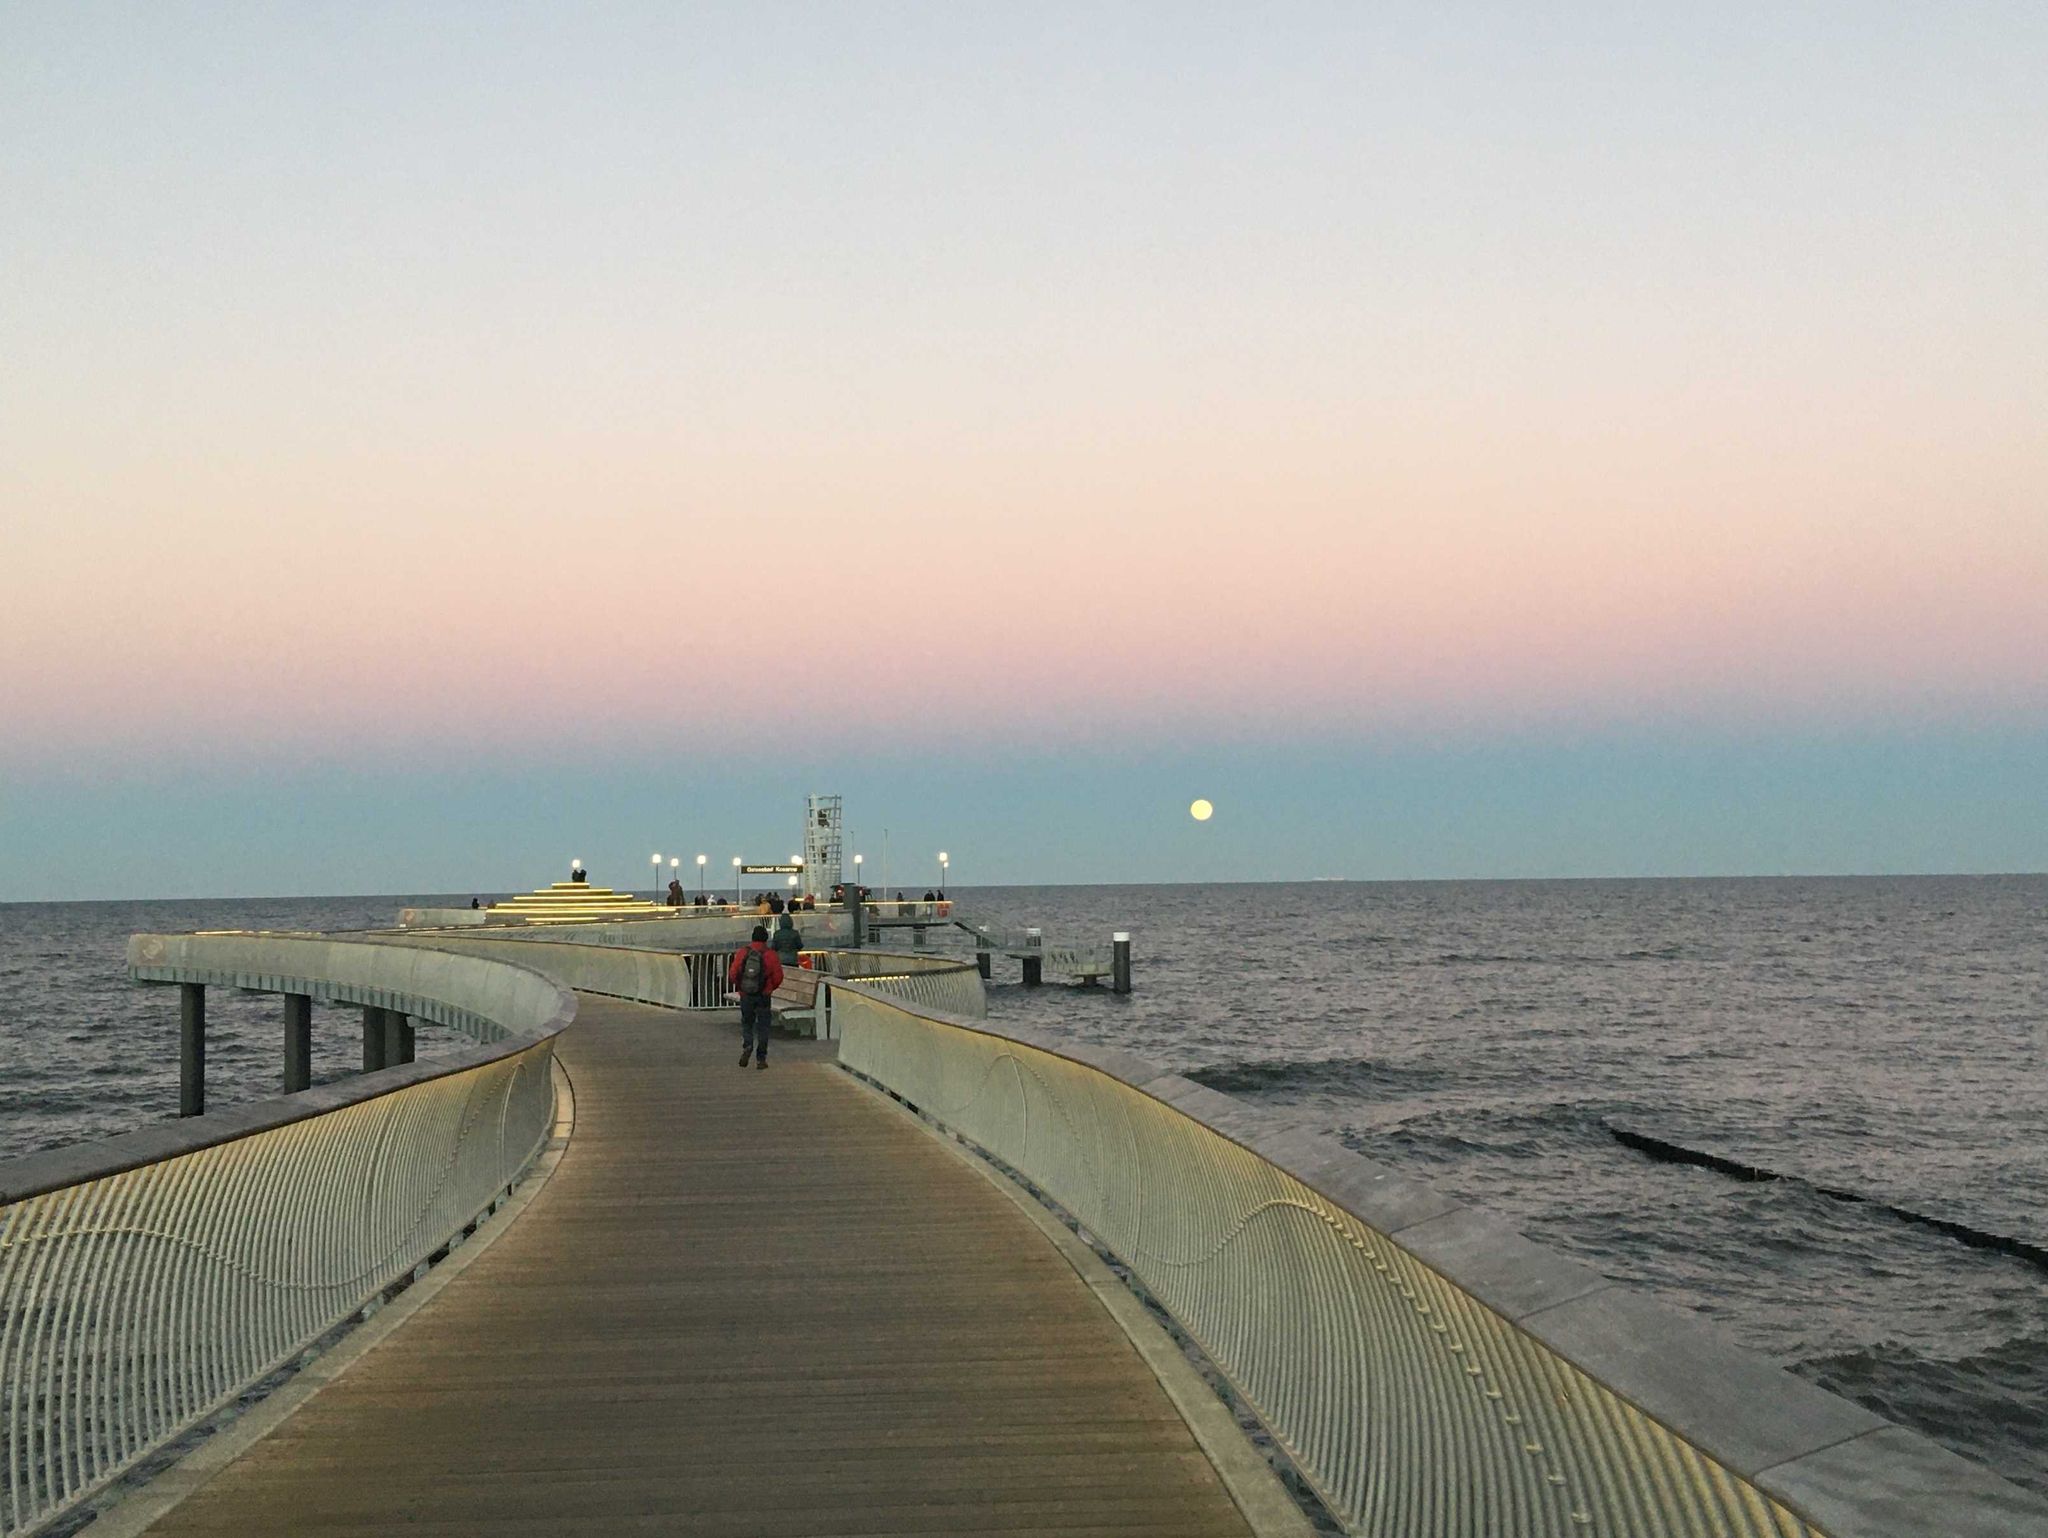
(701, 859)
(798, 861)
(675, 876)
(735, 881)
(575, 869)
(944, 860)
(854, 896)
(657, 871)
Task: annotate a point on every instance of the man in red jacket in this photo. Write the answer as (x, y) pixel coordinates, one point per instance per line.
(755, 973)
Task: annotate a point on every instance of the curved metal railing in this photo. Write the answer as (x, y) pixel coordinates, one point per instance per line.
(696, 979)
(935, 982)
(147, 1279)
(1431, 1372)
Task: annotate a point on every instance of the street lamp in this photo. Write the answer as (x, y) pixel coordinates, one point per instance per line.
(798, 861)
(675, 877)
(575, 868)
(944, 860)
(735, 881)
(854, 895)
(700, 874)
(657, 868)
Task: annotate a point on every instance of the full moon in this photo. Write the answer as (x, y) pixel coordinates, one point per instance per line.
(1201, 811)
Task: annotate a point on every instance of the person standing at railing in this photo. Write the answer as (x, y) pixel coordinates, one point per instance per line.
(786, 942)
(754, 974)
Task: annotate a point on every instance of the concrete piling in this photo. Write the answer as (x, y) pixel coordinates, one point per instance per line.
(397, 1038)
(373, 1038)
(191, 1049)
(298, 1042)
(1120, 962)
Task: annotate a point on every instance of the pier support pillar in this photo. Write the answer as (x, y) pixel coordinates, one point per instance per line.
(191, 1049)
(982, 961)
(298, 1042)
(373, 1038)
(917, 938)
(1120, 962)
(397, 1038)
(1034, 966)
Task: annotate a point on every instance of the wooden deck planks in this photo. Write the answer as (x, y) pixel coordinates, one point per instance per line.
(746, 1303)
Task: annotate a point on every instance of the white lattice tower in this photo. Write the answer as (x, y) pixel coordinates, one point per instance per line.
(824, 848)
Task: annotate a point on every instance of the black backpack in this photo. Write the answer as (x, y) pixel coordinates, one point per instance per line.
(753, 971)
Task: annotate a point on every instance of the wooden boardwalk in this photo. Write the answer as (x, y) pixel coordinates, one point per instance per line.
(746, 1303)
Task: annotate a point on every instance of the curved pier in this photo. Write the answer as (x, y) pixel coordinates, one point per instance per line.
(745, 1302)
(753, 1302)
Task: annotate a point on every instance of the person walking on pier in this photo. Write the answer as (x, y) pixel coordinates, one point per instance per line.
(755, 974)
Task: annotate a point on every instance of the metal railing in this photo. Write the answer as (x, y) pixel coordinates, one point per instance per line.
(944, 983)
(1093, 960)
(1430, 1372)
(148, 1279)
(696, 979)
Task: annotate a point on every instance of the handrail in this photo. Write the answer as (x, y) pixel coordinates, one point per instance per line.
(693, 979)
(1432, 1373)
(148, 1279)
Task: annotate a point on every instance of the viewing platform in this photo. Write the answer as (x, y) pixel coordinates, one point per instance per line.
(926, 1273)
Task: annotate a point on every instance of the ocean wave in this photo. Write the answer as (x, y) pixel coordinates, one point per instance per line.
(1989, 1405)
(1322, 1075)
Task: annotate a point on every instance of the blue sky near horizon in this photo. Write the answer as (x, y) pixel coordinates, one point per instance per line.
(1617, 806)
(1458, 439)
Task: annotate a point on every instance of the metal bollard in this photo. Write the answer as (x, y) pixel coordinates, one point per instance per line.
(191, 1049)
(1120, 962)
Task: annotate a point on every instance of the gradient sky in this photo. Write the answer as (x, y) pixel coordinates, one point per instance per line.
(1457, 440)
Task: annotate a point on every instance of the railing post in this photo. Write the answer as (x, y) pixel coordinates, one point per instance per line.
(821, 1008)
(191, 1049)
(298, 1042)
(1120, 962)
(373, 1038)
(1034, 966)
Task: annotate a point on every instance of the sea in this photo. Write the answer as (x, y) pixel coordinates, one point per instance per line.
(1881, 1043)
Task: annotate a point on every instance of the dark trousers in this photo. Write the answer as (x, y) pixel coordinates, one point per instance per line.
(754, 1024)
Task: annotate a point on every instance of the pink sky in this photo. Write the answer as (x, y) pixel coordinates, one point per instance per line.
(1355, 380)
